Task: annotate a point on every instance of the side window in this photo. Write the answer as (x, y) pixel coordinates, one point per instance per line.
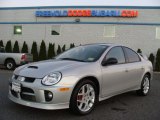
(117, 53)
(132, 55)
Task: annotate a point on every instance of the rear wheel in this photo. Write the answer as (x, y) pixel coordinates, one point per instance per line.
(84, 97)
(145, 86)
(10, 64)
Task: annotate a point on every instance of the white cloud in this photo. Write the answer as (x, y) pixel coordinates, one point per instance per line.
(25, 3)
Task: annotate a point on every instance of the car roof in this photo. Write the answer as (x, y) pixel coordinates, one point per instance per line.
(107, 44)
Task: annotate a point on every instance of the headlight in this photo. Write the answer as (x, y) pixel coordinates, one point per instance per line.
(52, 78)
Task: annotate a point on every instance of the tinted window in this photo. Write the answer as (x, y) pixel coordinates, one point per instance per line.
(87, 53)
(132, 56)
(117, 53)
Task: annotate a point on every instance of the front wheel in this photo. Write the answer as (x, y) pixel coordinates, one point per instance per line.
(84, 97)
(145, 86)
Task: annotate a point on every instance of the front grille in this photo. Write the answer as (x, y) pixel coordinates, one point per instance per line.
(28, 79)
(27, 90)
(28, 97)
(27, 94)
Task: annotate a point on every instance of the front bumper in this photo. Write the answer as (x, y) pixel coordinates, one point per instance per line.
(39, 105)
(33, 95)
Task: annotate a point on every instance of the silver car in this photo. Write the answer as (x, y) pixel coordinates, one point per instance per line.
(80, 77)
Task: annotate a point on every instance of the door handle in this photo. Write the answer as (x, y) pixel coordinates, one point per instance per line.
(142, 68)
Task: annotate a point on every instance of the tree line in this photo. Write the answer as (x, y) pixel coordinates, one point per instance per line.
(44, 53)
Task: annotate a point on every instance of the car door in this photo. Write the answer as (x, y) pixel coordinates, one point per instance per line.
(114, 76)
(134, 68)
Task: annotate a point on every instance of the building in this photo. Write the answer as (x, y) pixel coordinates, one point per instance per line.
(136, 27)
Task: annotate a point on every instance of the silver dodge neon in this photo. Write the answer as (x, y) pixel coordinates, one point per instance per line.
(80, 77)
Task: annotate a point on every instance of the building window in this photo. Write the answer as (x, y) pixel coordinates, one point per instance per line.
(56, 30)
(17, 30)
(109, 31)
(158, 33)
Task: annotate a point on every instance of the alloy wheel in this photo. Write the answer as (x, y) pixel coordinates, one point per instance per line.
(146, 85)
(86, 98)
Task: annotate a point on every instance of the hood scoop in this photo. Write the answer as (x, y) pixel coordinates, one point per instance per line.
(33, 67)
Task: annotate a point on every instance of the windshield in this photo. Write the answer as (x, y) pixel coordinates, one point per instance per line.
(87, 53)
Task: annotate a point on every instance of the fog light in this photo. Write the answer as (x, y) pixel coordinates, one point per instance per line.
(48, 95)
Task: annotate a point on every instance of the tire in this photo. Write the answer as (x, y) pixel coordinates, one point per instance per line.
(81, 102)
(10, 64)
(145, 86)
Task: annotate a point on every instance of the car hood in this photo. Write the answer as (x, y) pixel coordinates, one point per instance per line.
(40, 69)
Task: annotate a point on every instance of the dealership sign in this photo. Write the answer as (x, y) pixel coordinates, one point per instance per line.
(87, 13)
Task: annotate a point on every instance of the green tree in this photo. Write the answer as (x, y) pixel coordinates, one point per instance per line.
(139, 51)
(157, 67)
(8, 47)
(42, 52)
(34, 51)
(53, 49)
(73, 45)
(64, 48)
(151, 58)
(50, 51)
(16, 47)
(1, 43)
(24, 48)
(59, 50)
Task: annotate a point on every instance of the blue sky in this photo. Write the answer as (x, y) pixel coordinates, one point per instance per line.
(26, 3)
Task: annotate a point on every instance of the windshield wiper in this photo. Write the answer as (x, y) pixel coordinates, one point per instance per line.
(72, 59)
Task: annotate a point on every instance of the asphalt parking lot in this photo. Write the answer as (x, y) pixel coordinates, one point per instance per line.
(126, 106)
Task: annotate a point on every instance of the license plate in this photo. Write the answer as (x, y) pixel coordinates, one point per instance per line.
(16, 87)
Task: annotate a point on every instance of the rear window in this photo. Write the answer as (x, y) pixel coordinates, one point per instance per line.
(131, 55)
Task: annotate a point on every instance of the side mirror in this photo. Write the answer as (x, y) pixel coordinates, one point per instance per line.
(110, 61)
